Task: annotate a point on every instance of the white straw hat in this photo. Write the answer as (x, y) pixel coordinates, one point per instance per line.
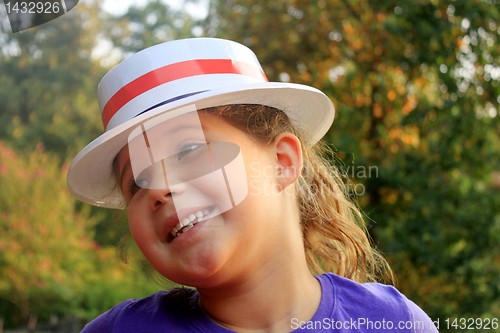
(205, 72)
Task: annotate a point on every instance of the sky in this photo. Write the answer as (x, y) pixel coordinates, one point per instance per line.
(120, 6)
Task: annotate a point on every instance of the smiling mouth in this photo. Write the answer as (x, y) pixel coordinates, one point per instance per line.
(188, 222)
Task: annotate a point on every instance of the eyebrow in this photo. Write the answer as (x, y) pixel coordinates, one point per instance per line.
(181, 127)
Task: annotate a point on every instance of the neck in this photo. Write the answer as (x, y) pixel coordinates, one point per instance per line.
(267, 299)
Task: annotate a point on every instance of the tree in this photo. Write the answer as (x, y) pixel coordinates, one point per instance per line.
(49, 261)
(147, 25)
(45, 245)
(48, 83)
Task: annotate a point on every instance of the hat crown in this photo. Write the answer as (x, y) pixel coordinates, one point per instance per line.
(171, 71)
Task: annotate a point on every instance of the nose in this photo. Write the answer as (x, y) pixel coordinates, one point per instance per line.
(159, 197)
(164, 186)
(166, 196)
(160, 192)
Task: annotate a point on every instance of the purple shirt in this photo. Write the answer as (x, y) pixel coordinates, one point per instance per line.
(346, 306)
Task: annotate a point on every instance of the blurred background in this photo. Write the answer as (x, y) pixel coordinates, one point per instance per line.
(416, 86)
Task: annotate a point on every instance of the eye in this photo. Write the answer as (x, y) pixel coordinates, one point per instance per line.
(187, 149)
(133, 186)
(142, 182)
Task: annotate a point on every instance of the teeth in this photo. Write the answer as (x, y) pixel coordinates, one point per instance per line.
(188, 222)
(185, 222)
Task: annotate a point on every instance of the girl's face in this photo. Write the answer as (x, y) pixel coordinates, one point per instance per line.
(223, 247)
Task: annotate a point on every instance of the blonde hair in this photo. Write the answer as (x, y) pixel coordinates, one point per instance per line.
(334, 231)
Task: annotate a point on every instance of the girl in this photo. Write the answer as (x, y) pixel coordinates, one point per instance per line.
(221, 175)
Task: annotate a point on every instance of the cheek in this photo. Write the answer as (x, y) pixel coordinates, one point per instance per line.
(137, 229)
(140, 227)
(146, 239)
(261, 179)
(224, 188)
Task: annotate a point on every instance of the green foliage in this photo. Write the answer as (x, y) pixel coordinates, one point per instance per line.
(147, 25)
(49, 261)
(48, 82)
(44, 244)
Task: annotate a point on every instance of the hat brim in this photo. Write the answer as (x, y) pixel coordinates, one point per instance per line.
(91, 177)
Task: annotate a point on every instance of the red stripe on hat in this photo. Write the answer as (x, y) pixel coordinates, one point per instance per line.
(174, 72)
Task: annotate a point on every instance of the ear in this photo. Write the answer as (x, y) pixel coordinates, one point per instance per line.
(289, 159)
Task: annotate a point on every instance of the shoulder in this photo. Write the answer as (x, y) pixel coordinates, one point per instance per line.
(145, 314)
(377, 305)
(370, 294)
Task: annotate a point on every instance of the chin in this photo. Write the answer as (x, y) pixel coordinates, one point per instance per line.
(197, 271)
(197, 279)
